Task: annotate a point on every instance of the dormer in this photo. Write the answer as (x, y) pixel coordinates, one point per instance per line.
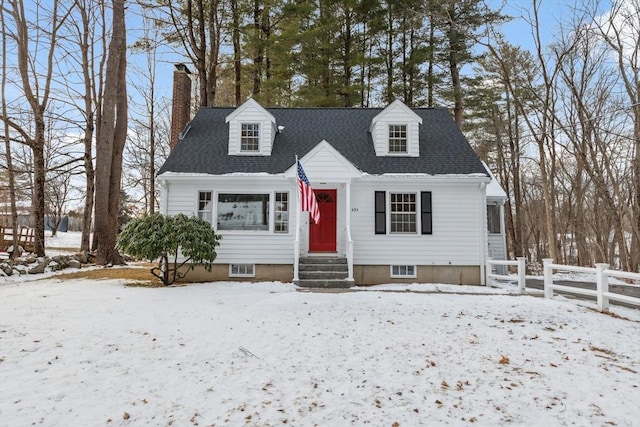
(252, 130)
(395, 131)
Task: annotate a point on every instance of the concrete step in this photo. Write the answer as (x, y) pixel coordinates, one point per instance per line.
(323, 274)
(323, 260)
(324, 267)
(326, 283)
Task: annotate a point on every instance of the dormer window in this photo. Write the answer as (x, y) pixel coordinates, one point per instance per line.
(395, 131)
(250, 137)
(397, 139)
(252, 130)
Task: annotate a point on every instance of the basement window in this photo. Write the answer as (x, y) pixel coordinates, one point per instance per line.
(242, 270)
(403, 271)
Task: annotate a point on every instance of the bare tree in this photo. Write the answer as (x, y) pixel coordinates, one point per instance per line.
(7, 140)
(110, 143)
(197, 26)
(537, 110)
(36, 86)
(620, 30)
(142, 159)
(88, 53)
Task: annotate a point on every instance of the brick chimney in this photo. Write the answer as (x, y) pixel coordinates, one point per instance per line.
(181, 103)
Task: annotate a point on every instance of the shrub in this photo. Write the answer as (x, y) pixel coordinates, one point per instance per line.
(159, 237)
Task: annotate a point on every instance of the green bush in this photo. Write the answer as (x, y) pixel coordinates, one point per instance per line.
(159, 237)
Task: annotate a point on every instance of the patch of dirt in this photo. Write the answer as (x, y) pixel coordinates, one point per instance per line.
(139, 275)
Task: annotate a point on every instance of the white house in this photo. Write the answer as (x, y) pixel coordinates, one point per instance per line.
(402, 195)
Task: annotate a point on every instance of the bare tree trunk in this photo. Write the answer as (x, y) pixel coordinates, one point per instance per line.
(454, 68)
(91, 97)
(37, 96)
(237, 64)
(7, 141)
(431, 59)
(544, 139)
(620, 41)
(110, 143)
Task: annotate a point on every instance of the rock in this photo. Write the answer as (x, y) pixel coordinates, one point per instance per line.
(21, 269)
(74, 263)
(18, 251)
(39, 267)
(82, 257)
(59, 262)
(6, 269)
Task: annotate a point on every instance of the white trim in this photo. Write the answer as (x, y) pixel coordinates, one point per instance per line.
(418, 219)
(307, 159)
(251, 274)
(406, 140)
(197, 208)
(258, 137)
(414, 275)
(484, 233)
(394, 104)
(271, 206)
(247, 104)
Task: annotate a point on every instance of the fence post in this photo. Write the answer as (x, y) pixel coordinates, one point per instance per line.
(602, 287)
(522, 274)
(548, 277)
(487, 271)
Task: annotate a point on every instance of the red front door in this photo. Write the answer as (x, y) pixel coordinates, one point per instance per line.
(322, 237)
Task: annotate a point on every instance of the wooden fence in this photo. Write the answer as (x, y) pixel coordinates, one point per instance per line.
(26, 238)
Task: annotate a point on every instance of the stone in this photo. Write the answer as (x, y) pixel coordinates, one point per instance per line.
(81, 257)
(6, 269)
(39, 266)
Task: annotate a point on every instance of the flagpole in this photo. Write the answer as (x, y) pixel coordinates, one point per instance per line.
(296, 246)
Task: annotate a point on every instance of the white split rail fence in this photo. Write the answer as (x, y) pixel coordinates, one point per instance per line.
(520, 262)
(602, 273)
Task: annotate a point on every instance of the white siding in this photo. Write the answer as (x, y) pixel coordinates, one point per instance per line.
(257, 247)
(456, 226)
(396, 115)
(252, 114)
(496, 246)
(327, 165)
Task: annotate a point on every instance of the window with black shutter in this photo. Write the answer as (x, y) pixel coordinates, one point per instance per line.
(381, 216)
(425, 212)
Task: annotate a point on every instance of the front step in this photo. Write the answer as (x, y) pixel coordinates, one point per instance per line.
(324, 272)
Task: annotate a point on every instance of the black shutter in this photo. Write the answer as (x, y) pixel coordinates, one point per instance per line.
(425, 211)
(381, 216)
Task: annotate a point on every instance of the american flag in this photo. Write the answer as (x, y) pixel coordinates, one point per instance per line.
(308, 198)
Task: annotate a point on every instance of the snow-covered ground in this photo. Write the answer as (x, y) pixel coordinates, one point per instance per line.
(90, 353)
(62, 243)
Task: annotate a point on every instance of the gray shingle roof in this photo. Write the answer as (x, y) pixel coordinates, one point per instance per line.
(204, 149)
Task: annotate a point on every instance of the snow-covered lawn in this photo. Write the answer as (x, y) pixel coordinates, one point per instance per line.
(91, 353)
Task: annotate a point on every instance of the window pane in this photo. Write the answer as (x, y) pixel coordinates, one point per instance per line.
(282, 213)
(250, 137)
(403, 212)
(243, 212)
(204, 205)
(493, 218)
(242, 270)
(397, 138)
(403, 271)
